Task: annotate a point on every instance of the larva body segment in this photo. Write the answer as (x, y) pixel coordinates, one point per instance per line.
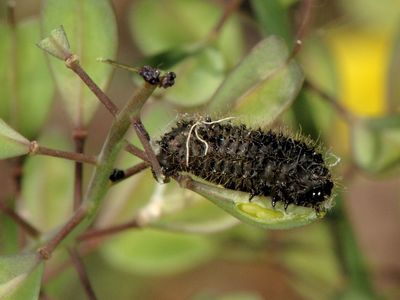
(254, 161)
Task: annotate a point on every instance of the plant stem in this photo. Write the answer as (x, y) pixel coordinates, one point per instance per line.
(36, 149)
(348, 116)
(72, 62)
(136, 151)
(28, 228)
(133, 171)
(46, 251)
(145, 140)
(229, 9)
(99, 183)
(79, 139)
(305, 19)
(80, 269)
(98, 233)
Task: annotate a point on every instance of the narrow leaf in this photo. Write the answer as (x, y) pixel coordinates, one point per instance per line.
(262, 86)
(12, 144)
(20, 277)
(91, 29)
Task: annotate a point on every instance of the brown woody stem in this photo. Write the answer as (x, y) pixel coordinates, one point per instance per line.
(36, 149)
(46, 251)
(28, 228)
(83, 276)
(72, 62)
(348, 116)
(97, 233)
(79, 139)
(145, 140)
(136, 151)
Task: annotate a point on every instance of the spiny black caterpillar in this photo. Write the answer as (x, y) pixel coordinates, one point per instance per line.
(258, 162)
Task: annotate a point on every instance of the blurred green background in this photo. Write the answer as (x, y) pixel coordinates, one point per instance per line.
(350, 50)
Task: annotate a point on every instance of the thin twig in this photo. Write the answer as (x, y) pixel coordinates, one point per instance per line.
(46, 251)
(136, 151)
(306, 17)
(79, 139)
(347, 115)
(36, 149)
(133, 171)
(80, 269)
(72, 62)
(99, 233)
(145, 140)
(229, 9)
(22, 223)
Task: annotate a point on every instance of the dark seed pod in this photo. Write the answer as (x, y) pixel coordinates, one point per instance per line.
(150, 74)
(117, 175)
(259, 162)
(168, 80)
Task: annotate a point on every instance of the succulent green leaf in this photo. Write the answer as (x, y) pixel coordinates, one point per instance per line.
(154, 252)
(91, 29)
(12, 143)
(259, 212)
(56, 44)
(273, 18)
(20, 277)
(27, 88)
(376, 144)
(262, 86)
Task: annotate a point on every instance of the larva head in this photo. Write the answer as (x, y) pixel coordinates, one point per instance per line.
(315, 182)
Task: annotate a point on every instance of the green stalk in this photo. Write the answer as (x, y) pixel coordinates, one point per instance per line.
(99, 183)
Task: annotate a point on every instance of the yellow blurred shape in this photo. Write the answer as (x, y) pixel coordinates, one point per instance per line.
(362, 60)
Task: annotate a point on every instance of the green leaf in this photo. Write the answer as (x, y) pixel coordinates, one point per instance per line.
(262, 86)
(273, 18)
(27, 89)
(200, 64)
(198, 77)
(51, 181)
(313, 115)
(376, 144)
(259, 212)
(159, 26)
(20, 277)
(91, 30)
(12, 144)
(155, 252)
